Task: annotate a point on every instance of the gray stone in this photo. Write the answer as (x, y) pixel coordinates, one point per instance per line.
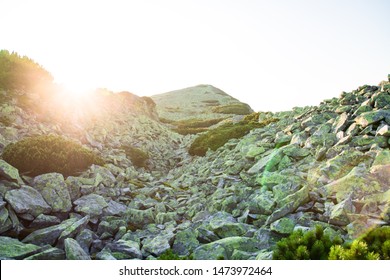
(368, 118)
(54, 190)
(74, 229)
(27, 200)
(114, 209)
(185, 242)
(48, 235)
(91, 205)
(139, 218)
(74, 251)
(48, 254)
(339, 215)
(124, 249)
(43, 221)
(14, 249)
(268, 162)
(158, 245)
(9, 172)
(283, 226)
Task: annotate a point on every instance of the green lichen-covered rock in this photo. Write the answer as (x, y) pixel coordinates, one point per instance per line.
(268, 163)
(91, 205)
(158, 245)
(27, 200)
(74, 251)
(9, 172)
(368, 118)
(283, 226)
(12, 248)
(138, 218)
(54, 190)
(289, 204)
(48, 235)
(185, 242)
(124, 249)
(49, 254)
(74, 229)
(356, 181)
(382, 158)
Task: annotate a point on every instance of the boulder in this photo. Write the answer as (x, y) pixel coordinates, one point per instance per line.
(124, 249)
(371, 117)
(48, 235)
(43, 221)
(91, 205)
(74, 251)
(114, 209)
(9, 172)
(48, 254)
(185, 242)
(54, 190)
(283, 226)
(14, 249)
(339, 215)
(27, 200)
(139, 218)
(158, 245)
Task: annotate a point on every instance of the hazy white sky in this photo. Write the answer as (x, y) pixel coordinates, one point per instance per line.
(271, 54)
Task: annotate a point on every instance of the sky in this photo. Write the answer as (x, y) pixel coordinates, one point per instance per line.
(273, 55)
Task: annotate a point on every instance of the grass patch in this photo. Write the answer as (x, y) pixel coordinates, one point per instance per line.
(236, 109)
(137, 156)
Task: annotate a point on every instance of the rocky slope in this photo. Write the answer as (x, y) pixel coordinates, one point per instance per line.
(328, 165)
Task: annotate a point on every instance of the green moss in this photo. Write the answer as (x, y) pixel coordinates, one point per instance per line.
(237, 109)
(49, 153)
(310, 245)
(137, 156)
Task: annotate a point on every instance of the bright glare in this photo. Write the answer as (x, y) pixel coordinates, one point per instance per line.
(271, 54)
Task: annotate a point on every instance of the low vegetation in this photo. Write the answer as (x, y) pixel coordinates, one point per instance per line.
(310, 245)
(20, 72)
(215, 138)
(194, 126)
(316, 245)
(236, 109)
(49, 153)
(137, 156)
(373, 245)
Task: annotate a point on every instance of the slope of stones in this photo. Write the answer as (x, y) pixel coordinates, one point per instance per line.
(327, 165)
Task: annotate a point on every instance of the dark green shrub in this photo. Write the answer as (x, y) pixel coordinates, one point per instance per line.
(194, 126)
(215, 138)
(49, 153)
(237, 109)
(189, 130)
(170, 255)
(137, 156)
(371, 246)
(310, 245)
